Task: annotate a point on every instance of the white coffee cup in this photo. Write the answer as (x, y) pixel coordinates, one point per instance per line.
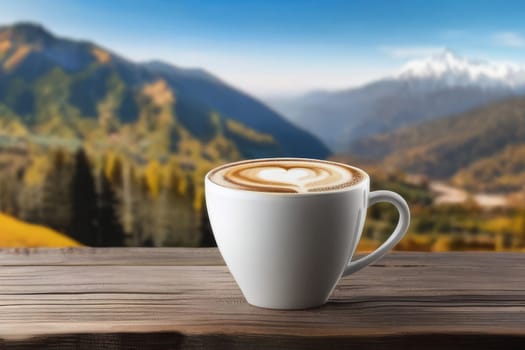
(288, 250)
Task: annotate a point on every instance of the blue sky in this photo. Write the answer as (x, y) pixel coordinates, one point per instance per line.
(286, 47)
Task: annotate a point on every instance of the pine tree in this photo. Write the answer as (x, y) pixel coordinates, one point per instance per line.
(207, 238)
(142, 209)
(84, 226)
(162, 218)
(110, 232)
(56, 193)
(129, 196)
(8, 195)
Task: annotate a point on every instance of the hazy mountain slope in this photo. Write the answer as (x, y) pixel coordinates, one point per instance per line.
(464, 144)
(45, 79)
(210, 94)
(438, 86)
(503, 171)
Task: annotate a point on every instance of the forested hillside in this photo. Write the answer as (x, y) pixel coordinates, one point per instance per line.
(113, 152)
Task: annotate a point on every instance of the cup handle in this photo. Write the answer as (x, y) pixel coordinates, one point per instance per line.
(400, 230)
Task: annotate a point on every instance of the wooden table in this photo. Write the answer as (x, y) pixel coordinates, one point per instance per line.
(167, 298)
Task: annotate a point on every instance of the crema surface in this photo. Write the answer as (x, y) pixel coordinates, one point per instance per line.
(286, 175)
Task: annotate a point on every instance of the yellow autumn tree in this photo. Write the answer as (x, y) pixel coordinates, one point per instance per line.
(113, 168)
(153, 178)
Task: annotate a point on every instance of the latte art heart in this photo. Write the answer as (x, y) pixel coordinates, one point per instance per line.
(299, 177)
(286, 175)
(293, 175)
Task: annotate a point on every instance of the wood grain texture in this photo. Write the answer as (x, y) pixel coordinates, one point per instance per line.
(109, 256)
(185, 298)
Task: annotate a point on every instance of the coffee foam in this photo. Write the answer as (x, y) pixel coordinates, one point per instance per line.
(286, 175)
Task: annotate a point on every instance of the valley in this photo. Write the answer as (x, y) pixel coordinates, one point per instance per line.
(449, 218)
(447, 194)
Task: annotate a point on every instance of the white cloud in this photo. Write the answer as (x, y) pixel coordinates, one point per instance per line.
(509, 39)
(410, 51)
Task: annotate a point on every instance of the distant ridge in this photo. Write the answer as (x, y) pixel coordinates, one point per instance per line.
(423, 89)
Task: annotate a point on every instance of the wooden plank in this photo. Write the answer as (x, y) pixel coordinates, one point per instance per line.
(208, 256)
(109, 256)
(172, 299)
(166, 340)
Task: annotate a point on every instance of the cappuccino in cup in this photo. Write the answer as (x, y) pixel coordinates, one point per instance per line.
(288, 228)
(286, 176)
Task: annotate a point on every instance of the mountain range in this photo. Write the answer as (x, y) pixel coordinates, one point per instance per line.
(422, 90)
(56, 89)
(444, 116)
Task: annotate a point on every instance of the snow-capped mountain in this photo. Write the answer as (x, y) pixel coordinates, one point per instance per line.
(433, 87)
(453, 70)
